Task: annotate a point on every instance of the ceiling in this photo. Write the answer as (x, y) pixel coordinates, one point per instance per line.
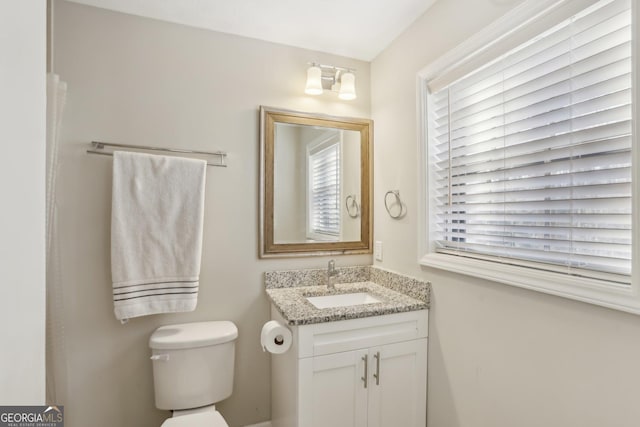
(357, 29)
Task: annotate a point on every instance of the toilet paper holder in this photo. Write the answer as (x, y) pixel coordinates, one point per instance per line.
(275, 337)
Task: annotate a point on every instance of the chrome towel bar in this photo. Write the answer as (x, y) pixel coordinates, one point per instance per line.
(107, 149)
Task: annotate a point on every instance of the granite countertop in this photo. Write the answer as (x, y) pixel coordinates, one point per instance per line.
(291, 302)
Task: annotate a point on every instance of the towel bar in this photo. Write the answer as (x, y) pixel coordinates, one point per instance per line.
(98, 147)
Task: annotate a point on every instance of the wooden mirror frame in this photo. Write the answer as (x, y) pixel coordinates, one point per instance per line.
(268, 248)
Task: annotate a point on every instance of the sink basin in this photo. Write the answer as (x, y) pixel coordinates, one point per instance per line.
(342, 300)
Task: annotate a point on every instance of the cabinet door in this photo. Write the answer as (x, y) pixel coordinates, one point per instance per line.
(332, 392)
(398, 397)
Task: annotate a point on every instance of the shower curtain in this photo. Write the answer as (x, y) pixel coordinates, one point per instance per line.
(56, 369)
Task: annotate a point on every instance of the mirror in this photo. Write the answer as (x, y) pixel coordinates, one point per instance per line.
(315, 184)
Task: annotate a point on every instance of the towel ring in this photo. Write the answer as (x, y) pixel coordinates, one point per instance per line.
(353, 209)
(398, 202)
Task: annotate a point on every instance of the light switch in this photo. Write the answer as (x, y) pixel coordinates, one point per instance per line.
(378, 250)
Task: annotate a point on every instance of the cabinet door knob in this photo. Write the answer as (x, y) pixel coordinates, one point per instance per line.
(377, 374)
(366, 369)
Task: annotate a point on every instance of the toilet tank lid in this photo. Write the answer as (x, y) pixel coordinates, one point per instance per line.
(192, 335)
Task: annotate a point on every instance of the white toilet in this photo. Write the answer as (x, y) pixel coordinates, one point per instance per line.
(192, 370)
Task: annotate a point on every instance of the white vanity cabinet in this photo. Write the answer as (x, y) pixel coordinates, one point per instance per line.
(369, 372)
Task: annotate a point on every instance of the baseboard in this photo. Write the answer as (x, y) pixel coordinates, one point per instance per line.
(264, 424)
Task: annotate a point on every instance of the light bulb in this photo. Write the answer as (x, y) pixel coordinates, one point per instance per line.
(347, 86)
(314, 81)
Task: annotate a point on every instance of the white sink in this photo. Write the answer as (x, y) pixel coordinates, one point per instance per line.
(342, 300)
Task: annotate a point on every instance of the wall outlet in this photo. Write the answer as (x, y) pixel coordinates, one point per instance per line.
(378, 250)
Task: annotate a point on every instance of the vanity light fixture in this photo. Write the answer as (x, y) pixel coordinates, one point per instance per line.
(337, 79)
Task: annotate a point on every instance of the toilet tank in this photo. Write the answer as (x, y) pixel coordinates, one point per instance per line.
(193, 363)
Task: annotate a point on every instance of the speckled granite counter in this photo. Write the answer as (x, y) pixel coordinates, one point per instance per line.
(288, 290)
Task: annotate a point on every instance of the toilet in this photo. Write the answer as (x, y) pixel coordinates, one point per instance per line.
(193, 367)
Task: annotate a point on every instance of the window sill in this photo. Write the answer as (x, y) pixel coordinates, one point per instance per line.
(617, 297)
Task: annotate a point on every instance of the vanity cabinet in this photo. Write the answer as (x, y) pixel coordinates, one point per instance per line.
(369, 372)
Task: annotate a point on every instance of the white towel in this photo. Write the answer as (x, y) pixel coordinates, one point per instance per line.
(156, 233)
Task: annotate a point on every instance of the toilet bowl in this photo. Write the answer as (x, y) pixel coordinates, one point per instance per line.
(193, 366)
(207, 417)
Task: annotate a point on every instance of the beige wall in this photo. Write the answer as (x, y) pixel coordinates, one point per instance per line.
(22, 186)
(350, 185)
(142, 81)
(498, 356)
(289, 177)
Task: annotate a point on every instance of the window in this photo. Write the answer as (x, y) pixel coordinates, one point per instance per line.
(324, 190)
(530, 157)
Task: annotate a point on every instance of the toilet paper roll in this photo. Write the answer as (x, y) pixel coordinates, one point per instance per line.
(275, 337)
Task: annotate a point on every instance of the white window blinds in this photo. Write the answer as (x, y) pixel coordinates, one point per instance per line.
(324, 177)
(532, 153)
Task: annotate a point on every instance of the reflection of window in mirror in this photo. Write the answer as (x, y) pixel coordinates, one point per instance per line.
(323, 184)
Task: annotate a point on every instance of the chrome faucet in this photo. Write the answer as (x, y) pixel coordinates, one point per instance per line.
(331, 273)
